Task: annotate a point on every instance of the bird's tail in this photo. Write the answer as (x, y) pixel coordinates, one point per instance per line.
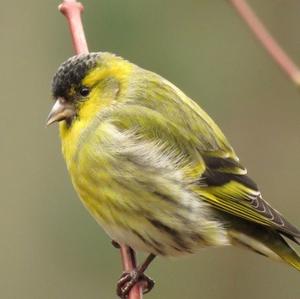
(264, 241)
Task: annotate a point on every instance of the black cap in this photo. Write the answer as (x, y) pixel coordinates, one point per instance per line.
(71, 72)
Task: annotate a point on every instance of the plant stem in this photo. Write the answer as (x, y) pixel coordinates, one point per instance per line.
(129, 263)
(270, 44)
(72, 10)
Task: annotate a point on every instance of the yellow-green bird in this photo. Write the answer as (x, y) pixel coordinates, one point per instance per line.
(154, 169)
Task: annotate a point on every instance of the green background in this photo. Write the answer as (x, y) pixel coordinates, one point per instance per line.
(50, 246)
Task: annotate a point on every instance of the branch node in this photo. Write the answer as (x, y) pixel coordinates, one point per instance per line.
(72, 11)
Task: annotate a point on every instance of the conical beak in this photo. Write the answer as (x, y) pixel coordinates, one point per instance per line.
(61, 110)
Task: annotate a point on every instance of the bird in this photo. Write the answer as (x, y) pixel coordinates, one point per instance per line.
(154, 170)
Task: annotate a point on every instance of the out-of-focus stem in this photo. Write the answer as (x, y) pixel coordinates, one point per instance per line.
(270, 44)
(72, 11)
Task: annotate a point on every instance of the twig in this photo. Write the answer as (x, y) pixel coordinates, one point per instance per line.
(72, 11)
(129, 263)
(270, 44)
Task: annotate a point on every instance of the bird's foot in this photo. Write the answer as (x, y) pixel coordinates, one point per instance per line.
(129, 279)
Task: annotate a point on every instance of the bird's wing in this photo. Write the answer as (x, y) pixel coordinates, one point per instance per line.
(225, 185)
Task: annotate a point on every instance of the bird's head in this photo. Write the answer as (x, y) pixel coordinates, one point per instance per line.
(86, 83)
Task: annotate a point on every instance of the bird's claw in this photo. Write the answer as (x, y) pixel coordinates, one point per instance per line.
(129, 279)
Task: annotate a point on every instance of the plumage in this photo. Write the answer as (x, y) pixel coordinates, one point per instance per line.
(154, 169)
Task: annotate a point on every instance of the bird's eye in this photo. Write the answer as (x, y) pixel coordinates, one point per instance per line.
(84, 91)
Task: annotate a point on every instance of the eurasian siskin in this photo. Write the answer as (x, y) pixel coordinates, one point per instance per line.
(154, 169)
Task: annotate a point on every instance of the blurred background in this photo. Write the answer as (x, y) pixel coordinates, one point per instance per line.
(50, 246)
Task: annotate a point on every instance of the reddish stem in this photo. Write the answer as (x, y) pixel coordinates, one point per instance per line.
(262, 34)
(72, 10)
(129, 263)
